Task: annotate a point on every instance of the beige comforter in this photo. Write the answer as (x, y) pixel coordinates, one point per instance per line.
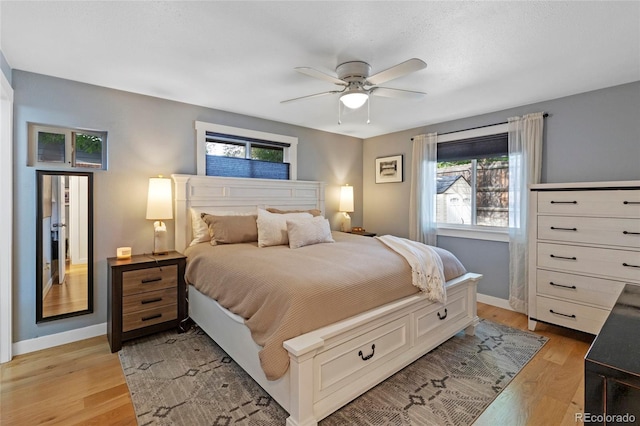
(283, 293)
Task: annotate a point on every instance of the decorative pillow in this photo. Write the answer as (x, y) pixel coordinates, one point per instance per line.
(305, 232)
(272, 227)
(313, 212)
(231, 229)
(200, 230)
(452, 266)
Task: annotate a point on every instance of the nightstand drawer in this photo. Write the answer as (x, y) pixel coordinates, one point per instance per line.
(148, 300)
(149, 279)
(149, 317)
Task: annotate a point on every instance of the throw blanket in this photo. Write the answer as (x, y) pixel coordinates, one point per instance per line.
(426, 266)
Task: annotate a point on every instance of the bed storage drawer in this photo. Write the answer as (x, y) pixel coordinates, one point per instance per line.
(621, 203)
(579, 288)
(579, 317)
(620, 264)
(437, 315)
(613, 231)
(149, 279)
(350, 360)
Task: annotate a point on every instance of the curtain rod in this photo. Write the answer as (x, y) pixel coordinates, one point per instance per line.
(545, 115)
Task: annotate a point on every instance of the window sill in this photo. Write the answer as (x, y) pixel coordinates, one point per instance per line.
(474, 232)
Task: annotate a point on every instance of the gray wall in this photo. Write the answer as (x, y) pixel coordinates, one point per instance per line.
(146, 136)
(4, 67)
(592, 136)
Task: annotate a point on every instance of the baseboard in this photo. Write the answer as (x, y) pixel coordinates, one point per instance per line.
(52, 340)
(494, 301)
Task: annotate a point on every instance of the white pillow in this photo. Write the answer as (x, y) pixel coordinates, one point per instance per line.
(272, 227)
(200, 230)
(304, 232)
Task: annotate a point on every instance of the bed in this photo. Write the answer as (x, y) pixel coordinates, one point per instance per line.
(330, 365)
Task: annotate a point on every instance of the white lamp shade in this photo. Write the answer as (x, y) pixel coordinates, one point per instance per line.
(346, 199)
(354, 99)
(159, 204)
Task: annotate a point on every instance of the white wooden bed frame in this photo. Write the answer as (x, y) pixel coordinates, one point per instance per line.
(332, 365)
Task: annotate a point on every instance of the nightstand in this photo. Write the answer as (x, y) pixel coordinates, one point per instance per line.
(146, 294)
(363, 233)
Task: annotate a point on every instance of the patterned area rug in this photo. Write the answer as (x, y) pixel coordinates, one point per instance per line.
(186, 379)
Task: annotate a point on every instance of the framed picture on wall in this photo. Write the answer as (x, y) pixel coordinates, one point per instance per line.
(389, 169)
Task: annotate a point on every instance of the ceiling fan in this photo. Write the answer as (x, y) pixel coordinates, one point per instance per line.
(357, 84)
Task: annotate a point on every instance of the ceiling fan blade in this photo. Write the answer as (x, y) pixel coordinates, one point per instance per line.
(316, 95)
(388, 92)
(320, 75)
(397, 71)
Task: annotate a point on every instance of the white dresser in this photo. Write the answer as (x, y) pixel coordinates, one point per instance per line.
(584, 245)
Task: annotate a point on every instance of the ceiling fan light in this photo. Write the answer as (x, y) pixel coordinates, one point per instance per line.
(354, 99)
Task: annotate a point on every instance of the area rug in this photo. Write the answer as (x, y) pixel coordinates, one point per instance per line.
(186, 379)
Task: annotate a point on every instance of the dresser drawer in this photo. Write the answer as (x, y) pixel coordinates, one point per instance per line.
(148, 279)
(620, 203)
(150, 299)
(149, 317)
(349, 361)
(610, 231)
(434, 316)
(578, 288)
(572, 315)
(619, 264)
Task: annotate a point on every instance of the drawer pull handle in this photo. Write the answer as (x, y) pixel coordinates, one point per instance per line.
(563, 257)
(631, 202)
(630, 233)
(145, 301)
(441, 317)
(564, 315)
(564, 202)
(555, 228)
(150, 317)
(630, 266)
(368, 357)
(572, 287)
(151, 280)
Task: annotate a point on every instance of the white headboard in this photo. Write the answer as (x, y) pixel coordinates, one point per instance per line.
(238, 194)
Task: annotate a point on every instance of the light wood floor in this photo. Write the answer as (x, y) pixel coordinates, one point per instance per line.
(70, 296)
(82, 383)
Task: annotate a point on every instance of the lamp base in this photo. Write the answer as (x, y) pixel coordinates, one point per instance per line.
(159, 239)
(346, 223)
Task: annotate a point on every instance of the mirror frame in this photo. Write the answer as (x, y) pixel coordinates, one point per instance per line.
(39, 241)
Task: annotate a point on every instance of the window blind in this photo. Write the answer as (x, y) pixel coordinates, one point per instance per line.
(478, 147)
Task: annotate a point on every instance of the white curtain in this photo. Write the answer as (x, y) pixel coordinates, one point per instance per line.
(525, 165)
(422, 203)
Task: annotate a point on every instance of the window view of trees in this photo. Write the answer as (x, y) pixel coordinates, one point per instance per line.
(474, 192)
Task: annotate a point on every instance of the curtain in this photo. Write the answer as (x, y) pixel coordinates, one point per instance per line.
(525, 165)
(422, 203)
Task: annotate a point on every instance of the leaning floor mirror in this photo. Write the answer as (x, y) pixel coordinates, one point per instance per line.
(64, 244)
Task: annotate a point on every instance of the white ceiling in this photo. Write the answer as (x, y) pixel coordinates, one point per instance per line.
(240, 56)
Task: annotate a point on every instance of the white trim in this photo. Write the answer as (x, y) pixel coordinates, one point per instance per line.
(52, 340)
(487, 233)
(494, 301)
(6, 216)
(290, 154)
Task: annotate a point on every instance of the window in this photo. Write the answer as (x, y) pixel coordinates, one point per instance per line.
(235, 152)
(473, 180)
(67, 147)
